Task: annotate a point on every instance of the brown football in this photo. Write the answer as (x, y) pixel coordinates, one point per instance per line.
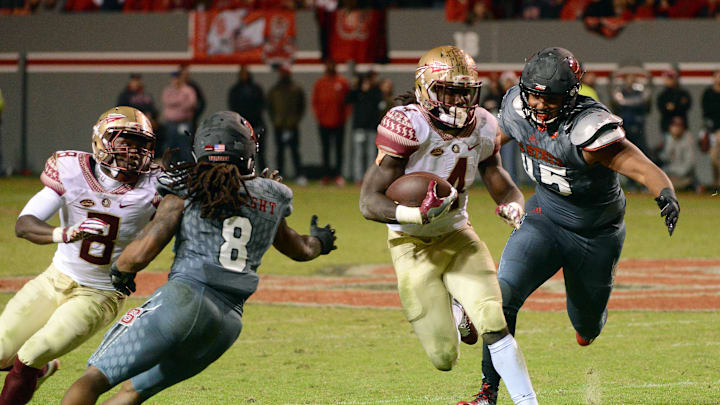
(410, 189)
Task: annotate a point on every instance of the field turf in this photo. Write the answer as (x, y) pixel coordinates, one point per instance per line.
(325, 355)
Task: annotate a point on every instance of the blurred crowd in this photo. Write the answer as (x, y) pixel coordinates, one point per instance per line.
(337, 103)
(456, 10)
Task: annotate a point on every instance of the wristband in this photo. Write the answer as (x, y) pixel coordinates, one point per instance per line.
(57, 235)
(408, 215)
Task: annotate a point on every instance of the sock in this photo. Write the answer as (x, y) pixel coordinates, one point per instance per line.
(20, 384)
(508, 361)
(457, 311)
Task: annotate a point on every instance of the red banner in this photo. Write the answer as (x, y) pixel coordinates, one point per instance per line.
(242, 36)
(359, 35)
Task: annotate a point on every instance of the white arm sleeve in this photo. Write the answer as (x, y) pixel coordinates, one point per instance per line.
(43, 205)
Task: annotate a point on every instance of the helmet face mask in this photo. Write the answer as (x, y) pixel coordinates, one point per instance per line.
(447, 86)
(123, 141)
(554, 76)
(227, 137)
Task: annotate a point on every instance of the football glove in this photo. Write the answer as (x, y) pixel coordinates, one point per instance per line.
(274, 175)
(123, 282)
(83, 230)
(326, 235)
(669, 208)
(512, 213)
(431, 208)
(173, 179)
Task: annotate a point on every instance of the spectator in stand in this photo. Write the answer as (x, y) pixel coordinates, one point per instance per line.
(247, 99)
(493, 96)
(711, 115)
(184, 72)
(631, 93)
(588, 86)
(366, 98)
(157, 5)
(386, 87)
(678, 154)
(179, 104)
(711, 9)
(135, 96)
(645, 10)
(510, 151)
(331, 112)
(673, 100)
(600, 8)
(286, 106)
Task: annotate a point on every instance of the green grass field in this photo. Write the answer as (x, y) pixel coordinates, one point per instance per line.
(325, 355)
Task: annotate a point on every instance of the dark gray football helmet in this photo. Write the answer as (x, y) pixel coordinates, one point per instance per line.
(551, 72)
(227, 137)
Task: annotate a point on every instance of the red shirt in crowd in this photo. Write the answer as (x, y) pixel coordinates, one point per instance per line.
(328, 101)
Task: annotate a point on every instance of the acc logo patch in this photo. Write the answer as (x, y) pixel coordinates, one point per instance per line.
(87, 203)
(436, 152)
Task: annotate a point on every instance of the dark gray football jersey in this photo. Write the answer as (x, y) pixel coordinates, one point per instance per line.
(570, 192)
(226, 254)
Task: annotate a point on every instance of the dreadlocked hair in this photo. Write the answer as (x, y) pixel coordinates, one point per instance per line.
(217, 188)
(406, 98)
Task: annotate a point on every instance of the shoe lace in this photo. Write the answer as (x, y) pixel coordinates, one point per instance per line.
(487, 393)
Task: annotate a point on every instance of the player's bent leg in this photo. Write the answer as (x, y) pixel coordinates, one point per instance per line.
(589, 274)
(211, 336)
(126, 396)
(87, 389)
(419, 264)
(26, 312)
(76, 320)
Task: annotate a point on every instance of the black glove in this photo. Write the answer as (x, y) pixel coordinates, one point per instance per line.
(326, 235)
(123, 282)
(669, 208)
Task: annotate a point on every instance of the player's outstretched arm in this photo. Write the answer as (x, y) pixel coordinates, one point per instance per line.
(153, 238)
(31, 223)
(502, 189)
(626, 159)
(320, 241)
(374, 204)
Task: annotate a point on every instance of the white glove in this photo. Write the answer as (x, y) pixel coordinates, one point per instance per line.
(512, 213)
(83, 230)
(431, 208)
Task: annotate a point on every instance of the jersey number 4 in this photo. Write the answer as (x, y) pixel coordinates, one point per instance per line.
(236, 233)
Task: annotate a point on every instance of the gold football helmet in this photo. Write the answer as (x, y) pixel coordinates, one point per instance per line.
(123, 140)
(447, 86)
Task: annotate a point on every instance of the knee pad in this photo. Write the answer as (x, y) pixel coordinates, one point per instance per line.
(411, 303)
(444, 359)
(491, 316)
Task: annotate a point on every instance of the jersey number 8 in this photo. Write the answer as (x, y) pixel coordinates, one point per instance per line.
(236, 234)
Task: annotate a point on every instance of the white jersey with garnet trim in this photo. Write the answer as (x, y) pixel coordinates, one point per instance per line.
(126, 208)
(406, 132)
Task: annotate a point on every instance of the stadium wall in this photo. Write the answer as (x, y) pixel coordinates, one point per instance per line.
(78, 64)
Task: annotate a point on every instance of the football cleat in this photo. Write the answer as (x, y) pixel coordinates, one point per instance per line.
(488, 396)
(468, 333)
(46, 372)
(582, 341)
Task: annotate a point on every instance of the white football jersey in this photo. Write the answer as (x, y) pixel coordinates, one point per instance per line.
(127, 209)
(406, 132)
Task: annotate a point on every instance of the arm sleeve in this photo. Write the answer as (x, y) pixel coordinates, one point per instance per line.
(43, 205)
(396, 135)
(50, 176)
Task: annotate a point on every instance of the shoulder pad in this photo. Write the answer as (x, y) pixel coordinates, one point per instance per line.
(589, 126)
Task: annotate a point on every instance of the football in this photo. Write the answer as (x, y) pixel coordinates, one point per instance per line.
(410, 189)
